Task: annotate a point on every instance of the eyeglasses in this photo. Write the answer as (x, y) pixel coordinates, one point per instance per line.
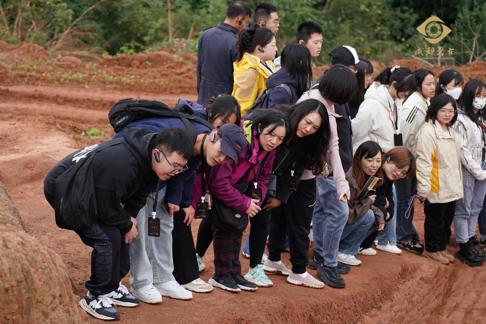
(401, 172)
(177, 168)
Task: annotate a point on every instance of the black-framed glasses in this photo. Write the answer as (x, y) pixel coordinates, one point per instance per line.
(177, 168)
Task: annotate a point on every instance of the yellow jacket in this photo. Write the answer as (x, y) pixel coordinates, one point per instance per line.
(439, 175)
(250, 76)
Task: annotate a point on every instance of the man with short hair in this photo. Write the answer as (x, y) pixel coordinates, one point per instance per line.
(266, 15)
(216, 52)
(107, 186)
(310, 35)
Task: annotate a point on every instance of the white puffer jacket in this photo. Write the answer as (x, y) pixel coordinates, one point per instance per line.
(411, 117)
(375, 120)
(472, 139)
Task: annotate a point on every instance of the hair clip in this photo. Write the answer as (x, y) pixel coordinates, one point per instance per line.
(394, 68)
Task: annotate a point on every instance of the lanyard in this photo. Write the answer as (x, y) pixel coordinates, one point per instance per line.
(154, 207)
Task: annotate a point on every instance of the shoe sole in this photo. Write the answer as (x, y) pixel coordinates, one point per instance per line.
(350, 263)
(146, 301)
(469, 263)
(259, 284)
(124, 304)
(201, 291)
(382, 250)
(91, 312)
(174, 297)
(275, 271)
(246, 255)
(300, 283)
(216, 284)
(242, 287)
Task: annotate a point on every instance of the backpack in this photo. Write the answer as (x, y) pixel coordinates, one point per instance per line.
(262, 100)
(129, 110)
(75, 198)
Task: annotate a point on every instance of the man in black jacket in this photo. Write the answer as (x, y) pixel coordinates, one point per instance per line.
(116, 177)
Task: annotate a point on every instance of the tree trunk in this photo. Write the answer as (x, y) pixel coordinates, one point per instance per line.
(191, 31)
(169, 19)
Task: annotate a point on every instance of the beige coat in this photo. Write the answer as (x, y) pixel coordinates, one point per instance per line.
(439, 175)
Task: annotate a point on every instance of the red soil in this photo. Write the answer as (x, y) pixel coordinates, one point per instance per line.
(42, 120)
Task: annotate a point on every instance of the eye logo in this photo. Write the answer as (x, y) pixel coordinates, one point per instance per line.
(434, 29)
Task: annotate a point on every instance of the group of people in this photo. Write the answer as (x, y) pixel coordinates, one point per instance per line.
(340, 158)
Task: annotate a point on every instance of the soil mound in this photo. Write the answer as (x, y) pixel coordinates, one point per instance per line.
(155, 59)
(34, 284)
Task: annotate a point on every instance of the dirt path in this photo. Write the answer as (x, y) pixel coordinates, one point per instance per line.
(40, 125)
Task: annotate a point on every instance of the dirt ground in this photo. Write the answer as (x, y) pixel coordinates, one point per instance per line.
(42, 119)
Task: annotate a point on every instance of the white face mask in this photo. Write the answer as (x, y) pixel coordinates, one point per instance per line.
(454, 92)
(479, 103)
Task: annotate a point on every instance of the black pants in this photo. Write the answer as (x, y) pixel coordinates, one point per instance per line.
(258, 237)
(183, 251)
(110, 261)
(294, 218)
(204, 236)
(437, 225)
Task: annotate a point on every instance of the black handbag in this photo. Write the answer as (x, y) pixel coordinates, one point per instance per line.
(227, 218)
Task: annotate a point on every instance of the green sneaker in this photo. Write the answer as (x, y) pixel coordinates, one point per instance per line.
(257, 276)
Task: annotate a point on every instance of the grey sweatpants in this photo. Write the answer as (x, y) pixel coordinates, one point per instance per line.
(468, 208)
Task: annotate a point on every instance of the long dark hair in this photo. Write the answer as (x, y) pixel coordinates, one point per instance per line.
(420, 76)
(251, 37)
(311, 150)
(338, 84)
(366, 150)
(223, 106)
(436, 103)
(471, 89)
(296, 59)
(400, 77)
(358, 98)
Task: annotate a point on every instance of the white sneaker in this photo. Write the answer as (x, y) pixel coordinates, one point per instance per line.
(276, 267)
(348, 259)
(199, 286)
(258, 277)
(200, 263)
(148, 294)
(368, 251)
(172, 289)
(390, 248)
(305, 279)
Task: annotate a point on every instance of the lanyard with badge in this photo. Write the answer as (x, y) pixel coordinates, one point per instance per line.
(154, 221)
(203, 206)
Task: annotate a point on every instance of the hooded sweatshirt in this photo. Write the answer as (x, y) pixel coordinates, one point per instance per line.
(122, 179)
(376, 119)
(278, 95)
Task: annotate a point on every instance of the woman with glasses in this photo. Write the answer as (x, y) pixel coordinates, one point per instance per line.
(399, 164)
(439, 175)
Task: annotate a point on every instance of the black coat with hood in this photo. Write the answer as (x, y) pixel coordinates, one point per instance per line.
(279, 95)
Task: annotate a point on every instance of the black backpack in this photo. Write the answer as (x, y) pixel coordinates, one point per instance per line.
(262, 100)
(75, 198)
(129, 110)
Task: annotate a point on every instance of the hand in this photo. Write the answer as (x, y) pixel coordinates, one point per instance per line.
(172, 209)
(387, 203)
(189, 211)
(381, 227)
(372, 198)
(272, 203)
(421, 199)
(132, 233)
(254, 208)
(344, 197)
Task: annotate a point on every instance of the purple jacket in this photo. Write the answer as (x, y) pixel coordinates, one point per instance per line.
(223, 177)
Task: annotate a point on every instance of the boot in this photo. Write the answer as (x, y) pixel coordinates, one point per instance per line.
(466, 254)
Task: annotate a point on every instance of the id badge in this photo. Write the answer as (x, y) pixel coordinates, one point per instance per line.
(202, 208)
(154, 226)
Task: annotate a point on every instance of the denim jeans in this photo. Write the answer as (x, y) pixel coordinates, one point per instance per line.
(468, 209)
(405, 189)
(354, 234)
(328, 221)
(389, 234)
(150, 256)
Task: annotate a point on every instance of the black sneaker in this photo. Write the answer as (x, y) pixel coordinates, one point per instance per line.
(225, 282)
(242, 283)
(330, 276)
(474, 240)
(100, 307)
(316, 261)
(343, 268)
(412, 245)
(122, 297)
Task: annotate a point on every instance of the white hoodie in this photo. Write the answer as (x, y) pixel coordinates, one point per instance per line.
(411, 117)
(375, 120)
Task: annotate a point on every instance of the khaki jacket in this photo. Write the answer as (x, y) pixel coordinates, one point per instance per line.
(439, 175)
(250, 77)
